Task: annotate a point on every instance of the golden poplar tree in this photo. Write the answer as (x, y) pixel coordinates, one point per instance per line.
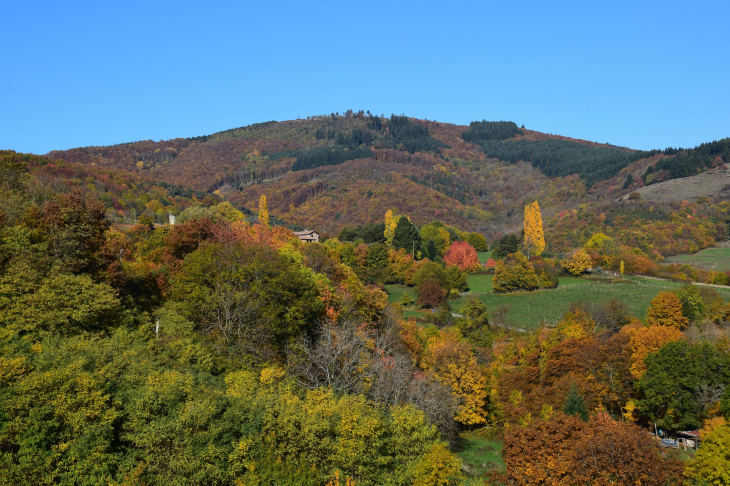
(534, 235)
(391, 222)
(263, 211)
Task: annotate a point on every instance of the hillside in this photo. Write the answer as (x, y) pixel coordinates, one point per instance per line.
(319, 171)
(712, 184)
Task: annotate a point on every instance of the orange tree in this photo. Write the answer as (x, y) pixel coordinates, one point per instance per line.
(566, 450)
(463, 255)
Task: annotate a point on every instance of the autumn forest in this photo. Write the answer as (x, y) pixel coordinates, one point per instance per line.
(483, 305)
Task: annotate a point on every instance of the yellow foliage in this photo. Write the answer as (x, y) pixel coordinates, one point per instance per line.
(272, 375)
(711, 464)
(646, 340)
(437, 467)
(547, 412)
(453, 364)
(263, 210)
(11, 369)
(534, 234)
(578, 263)
(666, 310)
(241, 384)
(391, 222)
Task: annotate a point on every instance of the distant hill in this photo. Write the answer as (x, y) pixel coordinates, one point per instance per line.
(328, 171)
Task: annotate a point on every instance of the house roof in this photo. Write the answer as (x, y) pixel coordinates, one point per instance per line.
(305, 233)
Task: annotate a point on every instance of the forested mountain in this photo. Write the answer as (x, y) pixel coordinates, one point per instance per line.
(326, 172)
(223, 350)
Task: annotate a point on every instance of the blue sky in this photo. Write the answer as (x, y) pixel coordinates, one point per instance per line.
(638, 74)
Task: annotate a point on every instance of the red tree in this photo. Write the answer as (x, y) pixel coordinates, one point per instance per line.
(463, 255)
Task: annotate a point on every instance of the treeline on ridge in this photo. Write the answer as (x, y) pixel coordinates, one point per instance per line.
(559, 158)
(403, 134)
(488, 130)
(687, 163)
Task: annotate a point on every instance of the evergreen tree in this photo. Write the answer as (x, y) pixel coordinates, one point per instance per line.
(507, 244)
(575, 405)
(431, 251)
(629, 181)
(406, 235)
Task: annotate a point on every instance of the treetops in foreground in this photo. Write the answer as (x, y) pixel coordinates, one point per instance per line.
(275, 363)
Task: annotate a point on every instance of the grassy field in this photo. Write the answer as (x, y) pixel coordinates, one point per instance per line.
(717, 259)
(484, 256)
(478, 454)
(530, 309)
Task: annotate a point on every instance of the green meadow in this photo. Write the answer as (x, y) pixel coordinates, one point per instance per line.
(529, 310)
(717, 259)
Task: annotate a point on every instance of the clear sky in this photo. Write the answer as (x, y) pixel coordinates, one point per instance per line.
(639, 74)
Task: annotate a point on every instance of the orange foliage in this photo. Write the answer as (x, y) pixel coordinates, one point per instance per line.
(463, 255)
(645, 340)
(567, 450)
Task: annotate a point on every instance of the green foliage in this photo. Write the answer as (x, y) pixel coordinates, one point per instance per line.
(682, 382)
(685, 163)
(479, 132)
(377, 256)
(457, 278)
(322, 156)
(514, 273)
(411, 136)
(406, 235)
(478, 241)
(505, 245)
(558, 158)
(575, 404)
(248, 297)
(432, 271)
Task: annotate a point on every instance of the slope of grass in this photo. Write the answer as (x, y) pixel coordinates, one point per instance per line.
(717, 259)
(484, 256)
(478, 454)
(529, 310)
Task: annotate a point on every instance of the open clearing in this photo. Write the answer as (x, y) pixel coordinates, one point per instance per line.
(529, 310)
(478, 455)
(717, 259)
(688, 188)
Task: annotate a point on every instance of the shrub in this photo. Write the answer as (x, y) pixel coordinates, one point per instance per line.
(514, 273)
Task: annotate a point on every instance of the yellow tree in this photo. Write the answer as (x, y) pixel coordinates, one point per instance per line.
(391, 222)
(666, 310)
(534, 234)
(263, 211)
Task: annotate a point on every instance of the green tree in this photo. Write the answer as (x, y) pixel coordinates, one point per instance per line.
(406, 235)
(457, 278)
(377, 256)
(514, 273)
(478, 241)
(432, 271)
(507, 244)
(682, 383)
(575, 404)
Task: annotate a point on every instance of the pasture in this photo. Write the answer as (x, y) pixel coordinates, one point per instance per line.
(717, 259)
(529, 310)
